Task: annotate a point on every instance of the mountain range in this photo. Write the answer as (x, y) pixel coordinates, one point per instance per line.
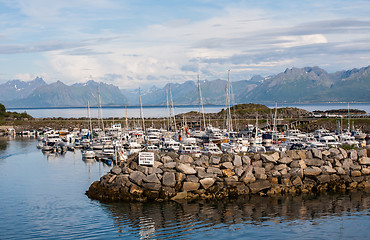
(304, 85)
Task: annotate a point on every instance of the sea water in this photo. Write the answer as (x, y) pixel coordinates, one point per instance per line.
(160, 111)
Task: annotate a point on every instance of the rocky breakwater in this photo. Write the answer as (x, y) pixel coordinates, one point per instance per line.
(174, 176)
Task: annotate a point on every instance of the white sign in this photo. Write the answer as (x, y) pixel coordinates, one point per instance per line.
(146, 158)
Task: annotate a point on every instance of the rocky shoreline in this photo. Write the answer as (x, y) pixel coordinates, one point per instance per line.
(175, 177)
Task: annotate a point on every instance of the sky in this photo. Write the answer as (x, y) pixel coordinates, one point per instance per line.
(132, 43)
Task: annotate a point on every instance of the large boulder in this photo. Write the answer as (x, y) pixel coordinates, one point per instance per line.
(237, 161)
(364, 161)
(186, 158)
(152, 178)
(169, 179)
(207, 182)
(190, 186)
(185, 168)
(316, 153)
(137, 177)
(267, 158)
(312, 171)
(259, 186)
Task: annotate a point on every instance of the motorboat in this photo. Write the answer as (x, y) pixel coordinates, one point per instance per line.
(211, 149)
(88, 153)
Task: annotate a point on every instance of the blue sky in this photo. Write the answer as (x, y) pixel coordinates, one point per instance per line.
(143, 43)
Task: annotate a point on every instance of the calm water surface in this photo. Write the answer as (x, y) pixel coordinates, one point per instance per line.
(42, 197)
(163, 111)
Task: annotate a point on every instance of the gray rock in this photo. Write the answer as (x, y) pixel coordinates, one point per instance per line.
(364, 161)
(169, 165)
(166, 159)
(257, 163)
(190, 186)
(316, 153)
(285, 160)
(355, 173)
(237, 161)
(152, 186)
(230, 181)
(259, 186)
(173, 155)
(297, 181)
(126, 170)
(169, 179)
(186, 158)
(239, 171)
(352, 154)
(267, 158)
(214, 170)
(275, 156)
(295, 164)
(312, 171)
(268, 166)
(355, 167)
(343, 152)
(340, 170)
(280, 167)
(309, 154)
(207, 182)
(226, 158)
(328, 170)
(116, 170)
(123, 179)
(296, 172)
(180, 177)
(157, 164)
(293, 155)
(143, 169)
(191, 178)
(215, 160)
(365, 171)
(155, 170)
(334, 152)
(185, 168)
(202, 174)
(180, 195)
(259, 173)
(347, 163)
(227, 165)
(248, 175)
(362, 153)
(323, 178)
(246, 160)
(137, 177)
(314, 162)
(152, 178)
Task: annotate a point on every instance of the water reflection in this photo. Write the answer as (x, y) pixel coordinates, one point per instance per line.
(3, 143)
(179, 219)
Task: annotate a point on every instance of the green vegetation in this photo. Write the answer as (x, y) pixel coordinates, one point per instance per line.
(6, 116)
(2, 110)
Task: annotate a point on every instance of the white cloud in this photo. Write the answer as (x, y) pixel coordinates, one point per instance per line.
(114, 41)
(295, 41)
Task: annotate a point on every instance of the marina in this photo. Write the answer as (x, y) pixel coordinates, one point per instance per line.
(42, 197)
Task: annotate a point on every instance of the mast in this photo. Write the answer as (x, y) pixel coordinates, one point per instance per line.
(89, 115)
(141, 111)
(126, 117)
(349, 120)
(229, 123)
(274, 127)
(168, 110)
(100, 110)
(201, 109)
(171, 105)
